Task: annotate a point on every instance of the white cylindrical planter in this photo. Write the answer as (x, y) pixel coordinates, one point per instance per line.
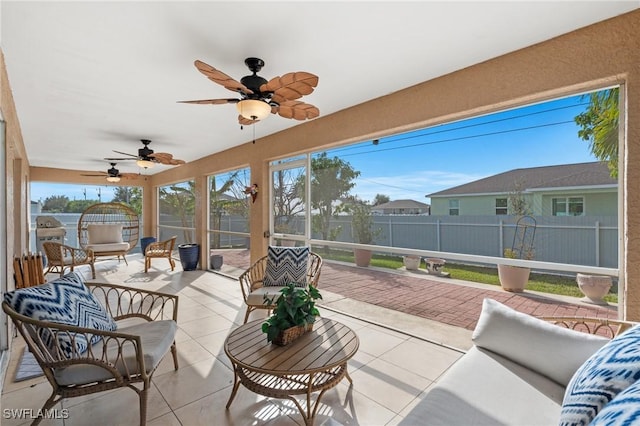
(411, 262)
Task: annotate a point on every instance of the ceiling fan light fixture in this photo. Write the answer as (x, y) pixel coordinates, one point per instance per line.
(253, 109)
(113, 178)
(145, 164)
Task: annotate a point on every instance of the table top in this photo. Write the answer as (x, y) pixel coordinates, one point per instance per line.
(329, 344)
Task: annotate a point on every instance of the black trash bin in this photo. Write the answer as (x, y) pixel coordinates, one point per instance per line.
(189, 256)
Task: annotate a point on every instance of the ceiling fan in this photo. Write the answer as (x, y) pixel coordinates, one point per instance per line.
(146, 158)
(259, 97)
(114, 175)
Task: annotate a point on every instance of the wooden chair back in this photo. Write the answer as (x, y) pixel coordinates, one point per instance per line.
(28, 270)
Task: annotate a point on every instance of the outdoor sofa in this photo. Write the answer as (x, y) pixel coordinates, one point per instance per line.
(526, 371)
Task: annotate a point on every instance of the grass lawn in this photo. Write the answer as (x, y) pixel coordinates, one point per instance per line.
(547, 283)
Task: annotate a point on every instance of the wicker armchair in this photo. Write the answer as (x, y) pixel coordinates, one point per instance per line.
(160, 249)
(60, 257)
(28, 270)
(251, 282)
(121, 358)
(605, 327)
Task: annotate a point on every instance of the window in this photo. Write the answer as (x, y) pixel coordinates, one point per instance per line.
(454, 207)
(501, 206)
(570, 206)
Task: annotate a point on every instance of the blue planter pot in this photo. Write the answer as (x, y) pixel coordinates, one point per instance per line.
(145, 241)
(189, 256)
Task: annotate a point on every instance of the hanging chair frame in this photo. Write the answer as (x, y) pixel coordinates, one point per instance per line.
(110, 214)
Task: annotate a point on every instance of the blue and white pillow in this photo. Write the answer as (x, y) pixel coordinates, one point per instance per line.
(624, 410)
(67, 301)
(286, 265)
(608, 372)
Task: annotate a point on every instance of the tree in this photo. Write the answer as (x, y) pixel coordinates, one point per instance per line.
(331, 180)
(220, 204)
(288, 198)
(78, 206)
(55, 203)
(599, 126)
(129, 195)
(180, 201)
(381, 199)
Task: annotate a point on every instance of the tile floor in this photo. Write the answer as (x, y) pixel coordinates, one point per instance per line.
(391, 371)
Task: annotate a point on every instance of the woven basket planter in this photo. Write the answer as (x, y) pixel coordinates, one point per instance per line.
(290, 334)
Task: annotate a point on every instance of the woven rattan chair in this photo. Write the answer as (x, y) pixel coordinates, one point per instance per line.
(251, 280)
(114, 216)
(60, 257)
(160, 249)
(118, 360)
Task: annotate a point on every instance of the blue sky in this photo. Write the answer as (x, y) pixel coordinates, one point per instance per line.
(412, 165)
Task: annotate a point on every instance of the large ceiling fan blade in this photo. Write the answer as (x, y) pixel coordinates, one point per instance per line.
(122, 159)
(166, 158)
(95, 175)
(211, 101)
(298, 110)
(221, 78)
(291, 86)
(128, 175)
(122, 153)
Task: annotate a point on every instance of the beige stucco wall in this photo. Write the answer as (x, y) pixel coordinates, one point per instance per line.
(603, 54)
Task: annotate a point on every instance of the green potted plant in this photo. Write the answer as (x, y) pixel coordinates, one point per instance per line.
(294, 314)
(363, 232)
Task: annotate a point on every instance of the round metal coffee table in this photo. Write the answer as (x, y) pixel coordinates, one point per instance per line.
(315, 362)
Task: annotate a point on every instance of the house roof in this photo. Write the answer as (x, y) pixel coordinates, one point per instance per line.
(537, 178)
(401, 204)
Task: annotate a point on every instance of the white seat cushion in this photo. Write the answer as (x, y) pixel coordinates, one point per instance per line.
(484, 388)
(100, 248)
(157, 338)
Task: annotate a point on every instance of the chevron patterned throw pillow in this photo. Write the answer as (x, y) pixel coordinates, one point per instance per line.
(286, 265)
(608, 372)
(623, 410)
(64, 301)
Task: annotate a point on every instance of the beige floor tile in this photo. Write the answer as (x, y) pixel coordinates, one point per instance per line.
(120, 407)
(190, 313)
(247, 408)
(419, 357)
(189, 352)
(203, 326)
(345, 405)
(375, 342)
(194, 382)
(168, 419)
(389, 385)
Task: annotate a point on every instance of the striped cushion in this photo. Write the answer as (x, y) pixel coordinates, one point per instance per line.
(611, 370)
(286, 265)
(67, 301)
(623, 410)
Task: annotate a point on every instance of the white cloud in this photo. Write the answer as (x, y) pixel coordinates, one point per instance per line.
(412, 186)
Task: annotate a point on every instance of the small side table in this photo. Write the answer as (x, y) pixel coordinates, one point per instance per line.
(315, 362)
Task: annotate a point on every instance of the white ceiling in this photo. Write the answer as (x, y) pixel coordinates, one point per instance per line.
(92, 77)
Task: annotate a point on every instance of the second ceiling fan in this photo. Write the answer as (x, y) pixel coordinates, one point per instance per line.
(147, 158)
(259, 97)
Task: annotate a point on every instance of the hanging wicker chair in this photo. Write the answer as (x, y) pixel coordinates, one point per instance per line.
(109, 214)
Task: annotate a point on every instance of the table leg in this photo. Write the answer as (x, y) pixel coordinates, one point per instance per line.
(236, 385)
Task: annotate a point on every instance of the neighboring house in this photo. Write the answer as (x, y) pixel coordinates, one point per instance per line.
(401, 207)
(563, 190)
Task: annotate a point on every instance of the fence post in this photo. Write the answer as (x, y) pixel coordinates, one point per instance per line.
(438, 231)
(501, 235)
(597, 250)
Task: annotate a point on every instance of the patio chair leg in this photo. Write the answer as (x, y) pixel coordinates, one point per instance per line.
(246, 315)
(174, 353)
(93, 271)
(143, 394)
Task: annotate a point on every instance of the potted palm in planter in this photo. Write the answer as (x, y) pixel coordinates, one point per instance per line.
(363, 232)
(294, 314)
